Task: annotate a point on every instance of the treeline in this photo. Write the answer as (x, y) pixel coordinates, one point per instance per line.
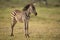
(13, 3)
(55, 3)
(20, 3)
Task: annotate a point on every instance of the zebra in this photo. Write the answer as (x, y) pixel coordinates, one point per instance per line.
(23, 16)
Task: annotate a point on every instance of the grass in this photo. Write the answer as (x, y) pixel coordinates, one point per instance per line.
(44, 26)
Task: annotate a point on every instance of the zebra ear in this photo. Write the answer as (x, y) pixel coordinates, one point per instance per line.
(34, 3)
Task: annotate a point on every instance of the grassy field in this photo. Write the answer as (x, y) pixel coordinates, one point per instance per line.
(44, 26)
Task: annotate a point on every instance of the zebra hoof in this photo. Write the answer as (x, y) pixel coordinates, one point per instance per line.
(27, 35)
(12, 35)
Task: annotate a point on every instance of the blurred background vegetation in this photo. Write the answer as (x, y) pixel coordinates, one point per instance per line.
(20, 3)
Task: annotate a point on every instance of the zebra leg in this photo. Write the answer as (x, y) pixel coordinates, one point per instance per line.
(26, 29)
(12, 26)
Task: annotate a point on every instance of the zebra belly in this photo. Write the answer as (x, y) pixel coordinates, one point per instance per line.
(20, 18)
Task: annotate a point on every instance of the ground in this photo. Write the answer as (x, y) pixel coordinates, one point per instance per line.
(44, 26)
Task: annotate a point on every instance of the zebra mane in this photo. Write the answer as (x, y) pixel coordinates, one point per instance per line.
(27, 6)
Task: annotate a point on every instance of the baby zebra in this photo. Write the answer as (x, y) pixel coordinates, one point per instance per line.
(23, 16)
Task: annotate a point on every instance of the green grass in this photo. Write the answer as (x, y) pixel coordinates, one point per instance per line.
(44, 26)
